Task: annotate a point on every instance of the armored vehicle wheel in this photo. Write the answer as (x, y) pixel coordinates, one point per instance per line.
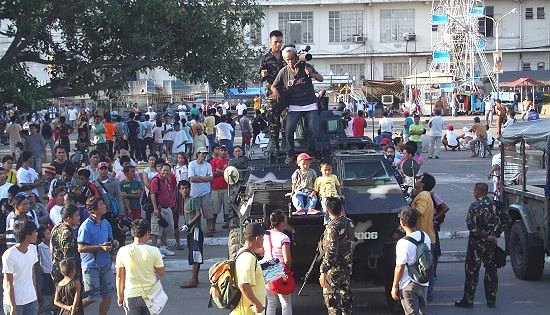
(527, 260)
(234, 242)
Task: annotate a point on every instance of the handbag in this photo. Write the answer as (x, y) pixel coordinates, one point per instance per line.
(284, 285)
(155, 298)
(500, 257)
(114, 204)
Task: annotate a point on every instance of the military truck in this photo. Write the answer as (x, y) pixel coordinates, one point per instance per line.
(372, 200)
(527, 204)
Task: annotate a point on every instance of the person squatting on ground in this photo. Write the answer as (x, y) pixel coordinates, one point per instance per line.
(413, 295)
(485, 227)
(294, 87)
(336, 252)
(138, 265)
(250, 278)
(277, 245)
(304, 197)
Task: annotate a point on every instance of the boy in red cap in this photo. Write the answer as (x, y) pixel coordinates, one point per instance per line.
(303, 195)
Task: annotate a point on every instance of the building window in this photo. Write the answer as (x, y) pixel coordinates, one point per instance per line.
(485, 24)
(528, 13)
(297, 27)
(343, 25)
(355, 71)
(395, 23)
(540, 66)
(540, 13)
(526, 66)
(396, 71)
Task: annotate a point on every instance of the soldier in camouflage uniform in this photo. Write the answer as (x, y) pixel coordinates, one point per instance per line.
(485, 227)
(270, 65)
(63, 242)
(337, 257)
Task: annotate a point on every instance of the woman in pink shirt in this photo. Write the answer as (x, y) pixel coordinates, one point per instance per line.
(277, 245)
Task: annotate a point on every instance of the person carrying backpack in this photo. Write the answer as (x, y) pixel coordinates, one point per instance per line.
(248, 273)
(413, 265)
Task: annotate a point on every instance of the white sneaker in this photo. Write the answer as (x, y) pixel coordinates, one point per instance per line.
(162, 256)
(166, 251)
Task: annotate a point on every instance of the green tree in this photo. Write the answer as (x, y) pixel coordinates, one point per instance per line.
(93, 45)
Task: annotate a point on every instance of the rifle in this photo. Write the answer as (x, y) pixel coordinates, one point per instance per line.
(315, 259)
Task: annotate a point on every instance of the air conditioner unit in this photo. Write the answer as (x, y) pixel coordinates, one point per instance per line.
(359, 38)
(409, 36)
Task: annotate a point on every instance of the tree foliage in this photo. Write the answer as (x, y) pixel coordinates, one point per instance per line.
(93, 45)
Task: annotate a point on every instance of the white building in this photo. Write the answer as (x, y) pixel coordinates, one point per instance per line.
(366, 39)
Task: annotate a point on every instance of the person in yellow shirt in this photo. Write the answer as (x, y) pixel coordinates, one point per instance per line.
(327, 185)
(257, 102)
(210, 128)
(424, 204)
(249, 272)
(7, 164)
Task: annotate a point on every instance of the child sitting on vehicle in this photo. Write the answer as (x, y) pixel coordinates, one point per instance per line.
(304, 197)
(327, 185)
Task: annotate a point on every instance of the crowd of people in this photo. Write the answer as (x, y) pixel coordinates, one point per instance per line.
(84, 208)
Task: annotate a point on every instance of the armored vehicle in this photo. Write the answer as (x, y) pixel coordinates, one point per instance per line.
(372, 199)
(527, 203)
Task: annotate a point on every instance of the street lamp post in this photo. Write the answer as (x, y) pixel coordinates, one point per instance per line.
(497, 24)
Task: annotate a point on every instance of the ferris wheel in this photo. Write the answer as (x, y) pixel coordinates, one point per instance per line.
(458, 48)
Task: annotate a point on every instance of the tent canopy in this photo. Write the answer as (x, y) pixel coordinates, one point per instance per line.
(248, 92)
(524, 82)
(535, 133)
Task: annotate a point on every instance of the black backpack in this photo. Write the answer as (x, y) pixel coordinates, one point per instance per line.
(47, 131)
(423, 269)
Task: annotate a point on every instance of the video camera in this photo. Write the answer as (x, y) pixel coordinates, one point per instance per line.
(304, 55)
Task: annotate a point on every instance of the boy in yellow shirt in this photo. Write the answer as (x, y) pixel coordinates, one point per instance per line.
(327, 185)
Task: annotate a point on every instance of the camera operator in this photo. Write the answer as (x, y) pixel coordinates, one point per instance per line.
(270, 65)
(294, 85)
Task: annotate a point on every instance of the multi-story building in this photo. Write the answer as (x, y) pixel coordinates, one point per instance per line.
(389, 39)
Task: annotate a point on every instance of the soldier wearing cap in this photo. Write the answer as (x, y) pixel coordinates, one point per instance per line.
(249, 272)
(336, 252)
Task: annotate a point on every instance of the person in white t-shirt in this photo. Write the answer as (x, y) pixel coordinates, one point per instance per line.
(180, 141)
(386, 125)
(413, 295)
(436, 132)
(450, 139)
(223, 133)
(18, 268)
(55, 211)
(240, 107)
(73, 113)
(4, 185)
(152, 114)
(27, 178)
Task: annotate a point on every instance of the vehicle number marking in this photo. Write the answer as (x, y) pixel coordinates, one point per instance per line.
(366, 235)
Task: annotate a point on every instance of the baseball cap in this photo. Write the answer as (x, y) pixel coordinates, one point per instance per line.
(103, 164)
(304, 157)
(202, 150)
(223, 147)
(384, 141)
(22, 194)
(49, 170)
(254, 229)
(450, 127)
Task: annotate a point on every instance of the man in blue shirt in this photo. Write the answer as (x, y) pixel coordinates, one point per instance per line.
(95, 239)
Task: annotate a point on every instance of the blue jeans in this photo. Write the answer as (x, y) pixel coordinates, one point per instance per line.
(211, 141)
(302, 200)
(27, 309)
(98, 282)
(312, 126)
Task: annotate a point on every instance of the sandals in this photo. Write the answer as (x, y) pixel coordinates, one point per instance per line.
(189, 285)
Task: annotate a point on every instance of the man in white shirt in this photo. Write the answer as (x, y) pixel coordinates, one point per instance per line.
(436, 132)
(4, 185)
(200, 177)
(386, 126)
(167, 136)
(152, 114)
(240, 107)
(412, 294)
(18, 268)
(223, 134)
(180, 141)
(27, 178)
(73, 113)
